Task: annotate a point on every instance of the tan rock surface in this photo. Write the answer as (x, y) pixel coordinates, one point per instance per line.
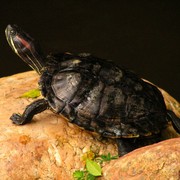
(159, 161)
(51, 148)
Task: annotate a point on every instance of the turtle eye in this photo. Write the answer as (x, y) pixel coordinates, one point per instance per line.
(12, 32)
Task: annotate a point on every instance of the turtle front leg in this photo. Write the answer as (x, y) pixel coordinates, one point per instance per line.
(32, 109)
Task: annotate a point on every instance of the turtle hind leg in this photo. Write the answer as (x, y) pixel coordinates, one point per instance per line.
(174, 119)
(125, 145)
(32, 109)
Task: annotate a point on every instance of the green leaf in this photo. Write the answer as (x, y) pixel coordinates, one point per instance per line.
(79, 175)
(34, 93)
(90, 177)
(93, 168)
(108, 157)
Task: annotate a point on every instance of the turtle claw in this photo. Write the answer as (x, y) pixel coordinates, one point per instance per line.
(17, 119)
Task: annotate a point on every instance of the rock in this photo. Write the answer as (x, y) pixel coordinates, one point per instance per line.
(158, 161)
(52, 148)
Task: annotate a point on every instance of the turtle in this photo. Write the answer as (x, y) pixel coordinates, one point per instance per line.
(93, 93)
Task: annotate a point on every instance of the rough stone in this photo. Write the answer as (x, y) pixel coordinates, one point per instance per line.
(158, 161)
(52, 148)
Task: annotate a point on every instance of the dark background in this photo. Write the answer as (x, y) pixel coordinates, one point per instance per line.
(143, 36)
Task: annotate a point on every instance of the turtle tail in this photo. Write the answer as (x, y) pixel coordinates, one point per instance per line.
(174, 119)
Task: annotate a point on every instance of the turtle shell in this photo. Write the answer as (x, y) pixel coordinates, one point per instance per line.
(100, 96)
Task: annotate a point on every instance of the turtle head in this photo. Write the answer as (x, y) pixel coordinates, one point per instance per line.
(25, 47)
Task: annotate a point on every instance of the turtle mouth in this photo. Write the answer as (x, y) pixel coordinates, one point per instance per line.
(10, 32)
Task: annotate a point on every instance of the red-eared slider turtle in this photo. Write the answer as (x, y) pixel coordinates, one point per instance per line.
(94, 94)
